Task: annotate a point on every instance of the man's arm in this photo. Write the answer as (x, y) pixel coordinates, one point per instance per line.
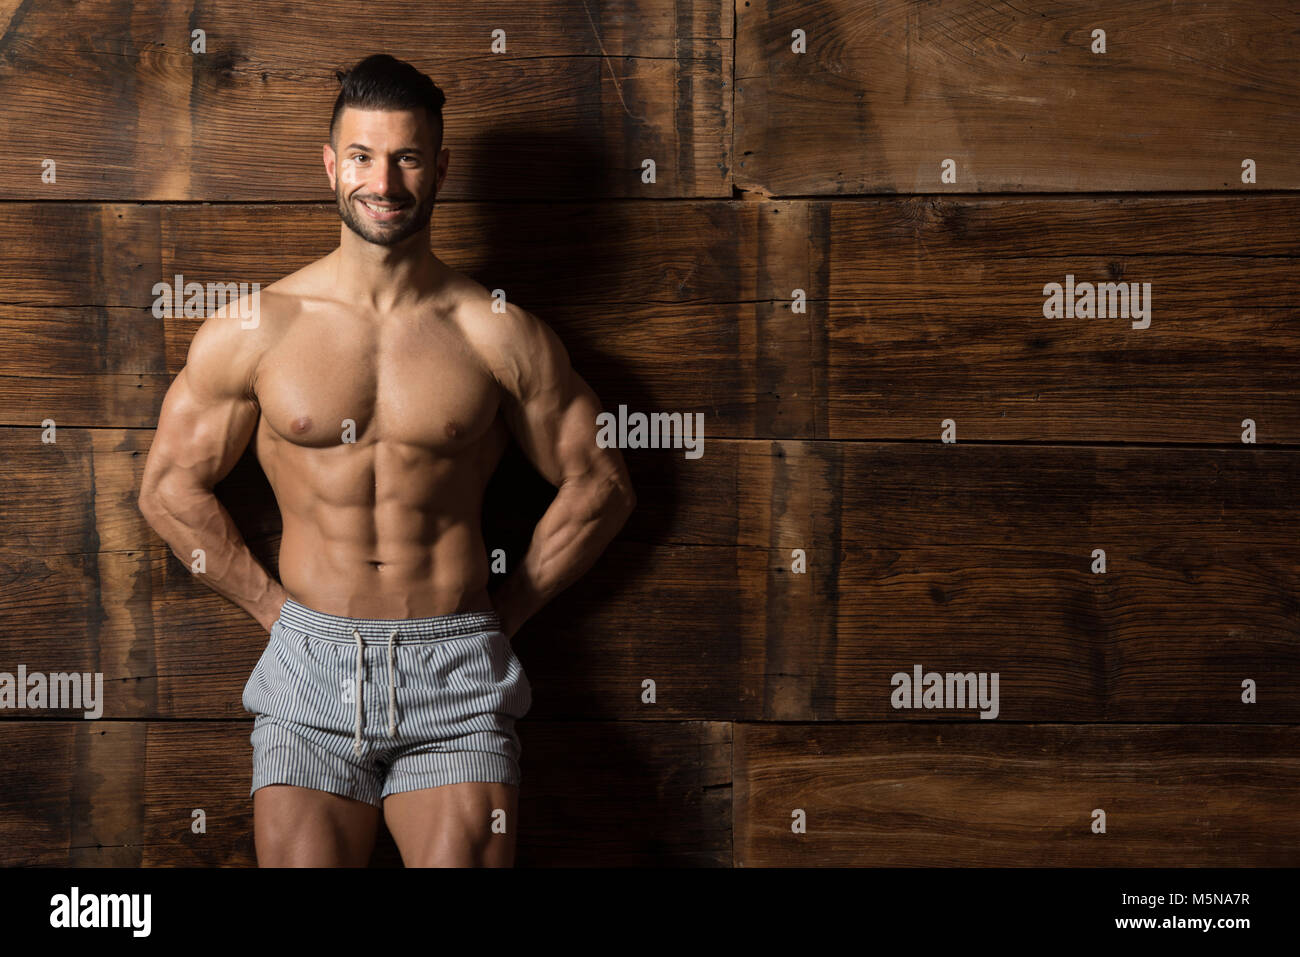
(552, 413)
(208, 416)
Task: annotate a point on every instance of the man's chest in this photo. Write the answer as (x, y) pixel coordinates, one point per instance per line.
(336, 381)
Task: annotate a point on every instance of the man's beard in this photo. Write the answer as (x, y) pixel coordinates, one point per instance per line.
(385, 234)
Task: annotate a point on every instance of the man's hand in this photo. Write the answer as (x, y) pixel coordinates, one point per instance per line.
(513, 606)
(279, 604)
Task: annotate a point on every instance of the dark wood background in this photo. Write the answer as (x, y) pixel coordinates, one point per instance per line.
(776, 171)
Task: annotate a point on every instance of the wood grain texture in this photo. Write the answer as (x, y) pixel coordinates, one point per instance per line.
(1009, 795)
(123, 793)
(583, 93)
(1012, 92)
(917, 310)
(935, 309)
(827, 539)
(82, 365)
(967, 557)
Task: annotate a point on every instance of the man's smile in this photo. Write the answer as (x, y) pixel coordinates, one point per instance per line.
(383, 211)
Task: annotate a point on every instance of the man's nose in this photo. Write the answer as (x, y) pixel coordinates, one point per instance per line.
(380, 177)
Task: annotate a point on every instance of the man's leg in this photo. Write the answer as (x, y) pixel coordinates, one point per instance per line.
(303, 827)
(455, 825)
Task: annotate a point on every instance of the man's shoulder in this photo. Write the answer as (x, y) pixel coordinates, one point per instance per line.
(285, 296)
(276, 301)
(507, 337)
(230, 343)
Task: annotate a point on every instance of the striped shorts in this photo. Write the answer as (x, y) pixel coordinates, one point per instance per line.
(368, 707)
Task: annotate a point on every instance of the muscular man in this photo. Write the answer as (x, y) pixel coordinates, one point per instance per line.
(378, 385)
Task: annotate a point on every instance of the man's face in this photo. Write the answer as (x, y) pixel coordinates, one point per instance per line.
(385, 172)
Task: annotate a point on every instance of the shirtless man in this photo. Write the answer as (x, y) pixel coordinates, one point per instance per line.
(380, 388)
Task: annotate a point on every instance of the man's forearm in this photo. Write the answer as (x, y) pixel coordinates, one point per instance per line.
(581, 521)
(196, 520)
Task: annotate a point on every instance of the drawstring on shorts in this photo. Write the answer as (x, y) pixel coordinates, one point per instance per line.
(392, 687)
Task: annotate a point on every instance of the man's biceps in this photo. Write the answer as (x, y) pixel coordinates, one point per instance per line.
(578, 427)
(555, 416)
(583, 457)
(199, 444)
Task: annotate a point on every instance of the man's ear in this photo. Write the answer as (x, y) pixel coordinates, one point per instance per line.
(444, 155)
(327, 155)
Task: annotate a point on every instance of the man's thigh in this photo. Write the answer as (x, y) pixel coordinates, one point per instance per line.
(472, 824)
(304, 827)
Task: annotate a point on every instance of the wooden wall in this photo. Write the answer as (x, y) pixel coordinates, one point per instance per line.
(922, 301)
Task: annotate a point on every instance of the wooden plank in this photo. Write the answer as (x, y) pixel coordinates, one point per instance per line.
(651, 252)
(79, 255)
(899, 371)
(950, 251)
(72, 793)
(897, 495)
(583, 91)
(1014, 94)
(591, 790)
(36, 783)
(985, 564)
(917, 312)
(106, 806)
(1006, 795)
(935, 310)
(1169, 633)
(82, 366)
(644, 793)
(1194, 252)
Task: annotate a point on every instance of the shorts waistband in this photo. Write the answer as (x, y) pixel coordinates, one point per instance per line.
(318, 624)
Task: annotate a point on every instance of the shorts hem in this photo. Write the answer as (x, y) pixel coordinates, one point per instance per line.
(301, 781)
(485, 767)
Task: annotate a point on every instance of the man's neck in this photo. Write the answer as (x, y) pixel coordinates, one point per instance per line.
(385, 278)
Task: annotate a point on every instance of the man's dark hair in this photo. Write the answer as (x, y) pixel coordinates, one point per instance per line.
(382, 82)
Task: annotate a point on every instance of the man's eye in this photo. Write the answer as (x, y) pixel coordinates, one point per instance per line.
(360, 158)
